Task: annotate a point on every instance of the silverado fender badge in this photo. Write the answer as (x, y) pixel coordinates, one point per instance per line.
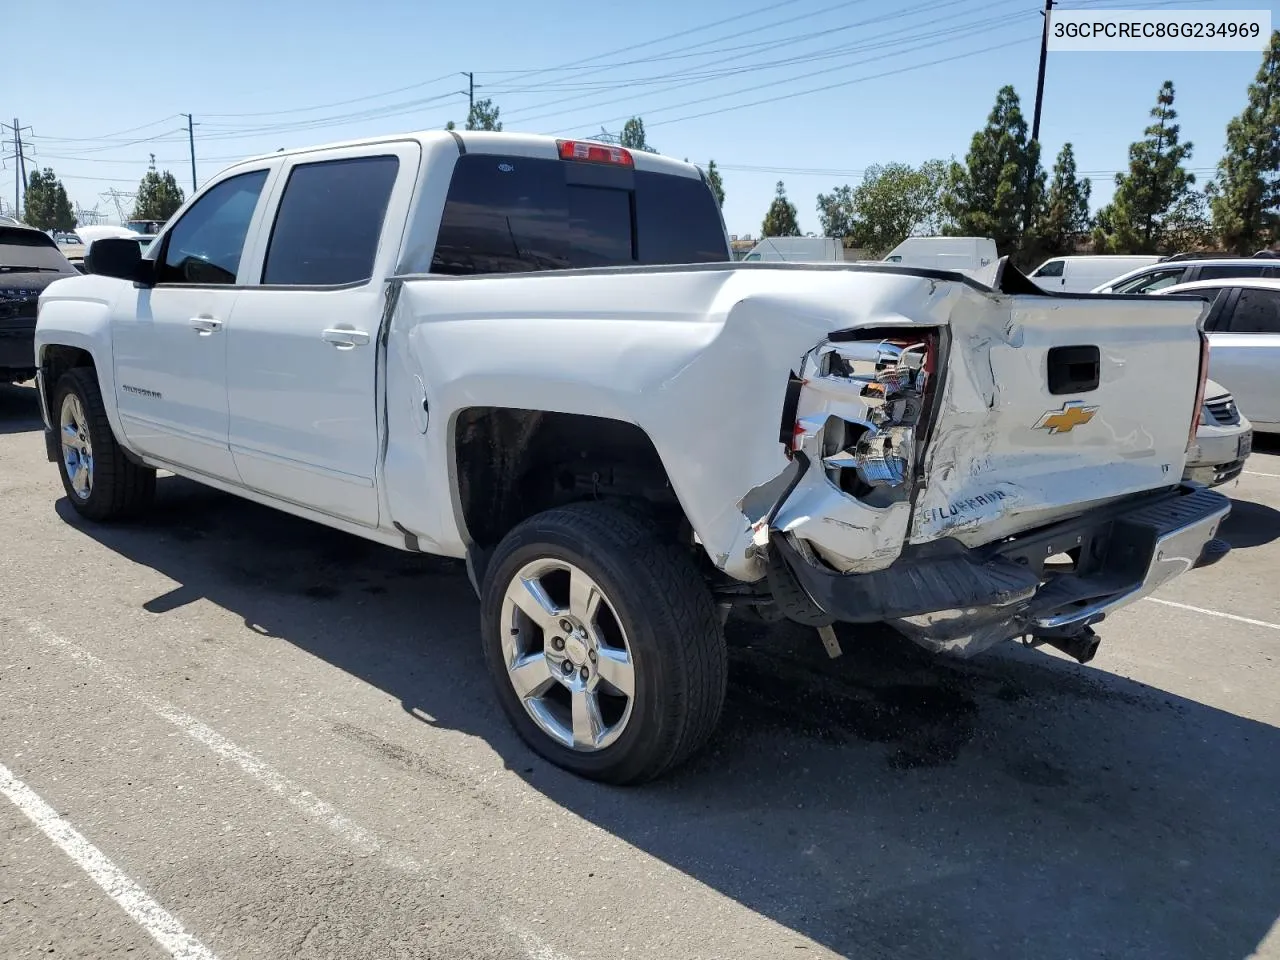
(1073, 414)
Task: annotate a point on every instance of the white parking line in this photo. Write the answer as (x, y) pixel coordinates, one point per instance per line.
(163, 926)
(351, 833)
(337, 823)
(1255, 473)
(1215, 613)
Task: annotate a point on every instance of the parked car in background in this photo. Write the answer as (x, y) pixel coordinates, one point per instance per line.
(973, 256)
(1084, 273)
(1173, 271)
(29, 261)
(1244, 342)
(1224, 439)
(797, 249)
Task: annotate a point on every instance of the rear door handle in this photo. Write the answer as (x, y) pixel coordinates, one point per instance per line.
(204, 326)
(345, 338)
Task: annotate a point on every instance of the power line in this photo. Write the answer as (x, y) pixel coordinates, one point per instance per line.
(773, 83)
(329, 106)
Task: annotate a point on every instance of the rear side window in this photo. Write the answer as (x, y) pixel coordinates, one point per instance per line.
(1256, 311)
(1150, 282)
(329, 222)
(516, 214)
(1051, 269)
(1220, 272)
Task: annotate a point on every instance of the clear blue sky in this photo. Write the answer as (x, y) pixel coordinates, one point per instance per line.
(850, 82)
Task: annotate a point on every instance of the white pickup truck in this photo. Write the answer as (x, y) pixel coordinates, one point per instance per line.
(536, 355)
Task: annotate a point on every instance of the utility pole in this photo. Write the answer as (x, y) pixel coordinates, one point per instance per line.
(17, 176)
(191, 142)
(1044, 54)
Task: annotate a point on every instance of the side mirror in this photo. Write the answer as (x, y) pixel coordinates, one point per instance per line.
(117, 257)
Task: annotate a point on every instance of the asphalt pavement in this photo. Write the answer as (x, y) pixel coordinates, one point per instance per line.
(228, 733)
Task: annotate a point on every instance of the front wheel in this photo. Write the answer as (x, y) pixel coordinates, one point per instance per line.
(101, 483)
(602, 643)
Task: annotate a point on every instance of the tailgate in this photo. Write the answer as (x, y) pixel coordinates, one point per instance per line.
(1051, 405)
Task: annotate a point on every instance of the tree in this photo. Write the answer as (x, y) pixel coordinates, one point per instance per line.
(483, 115)
(633, 136)
(893, 201)
(1155, 184)
(781, 220)
(159, 195)
(451, 125)
(46, 203)
(1246, 194)
(714, 182)
(1189, 225)
(836, 214)
(999, 190)
(1066, 209)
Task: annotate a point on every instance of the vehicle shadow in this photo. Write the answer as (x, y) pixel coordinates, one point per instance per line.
(883, 804)
(19, 408)
(1250, 524)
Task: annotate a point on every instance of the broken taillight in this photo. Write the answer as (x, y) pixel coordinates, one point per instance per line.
(861, 402)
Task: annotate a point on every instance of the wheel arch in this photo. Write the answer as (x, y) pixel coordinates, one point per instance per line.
(508, 464)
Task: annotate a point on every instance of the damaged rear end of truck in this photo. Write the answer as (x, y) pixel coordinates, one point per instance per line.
(1012, 471)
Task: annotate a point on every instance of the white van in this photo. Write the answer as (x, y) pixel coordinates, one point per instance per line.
(974, 256)
(1083, 274)
(800, 249)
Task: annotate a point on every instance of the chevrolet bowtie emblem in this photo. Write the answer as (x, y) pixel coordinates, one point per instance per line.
(1073, 414)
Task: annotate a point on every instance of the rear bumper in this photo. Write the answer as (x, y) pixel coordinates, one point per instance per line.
(1219, 454)
(17, 347)
(948, 597)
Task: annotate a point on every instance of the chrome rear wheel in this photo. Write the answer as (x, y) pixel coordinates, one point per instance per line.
(567, 655)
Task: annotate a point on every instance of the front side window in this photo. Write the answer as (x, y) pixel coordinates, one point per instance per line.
(1150, 282)
(516, 214)
(330, 221)
(206, 244)
(1051, 269)
(1256, 311)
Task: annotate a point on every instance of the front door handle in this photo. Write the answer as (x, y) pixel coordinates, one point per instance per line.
(345, 338)
(205, 325)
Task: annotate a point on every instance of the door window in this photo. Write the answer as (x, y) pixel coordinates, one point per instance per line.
(1257, 311)
(205, 245)
(1051, 269)
(1150, 282)
(330, 221)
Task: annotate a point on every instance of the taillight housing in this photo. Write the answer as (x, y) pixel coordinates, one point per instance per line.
(1200, 388)
(584, 151)
(861, 406)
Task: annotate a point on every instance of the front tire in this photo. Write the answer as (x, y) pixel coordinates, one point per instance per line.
(101, 483)
(603, 643)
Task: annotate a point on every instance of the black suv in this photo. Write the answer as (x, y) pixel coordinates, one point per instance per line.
(29, 262)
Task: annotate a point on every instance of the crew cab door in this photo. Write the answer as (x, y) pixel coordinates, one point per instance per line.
(169, 341)
(302, 344)
(1244, 352)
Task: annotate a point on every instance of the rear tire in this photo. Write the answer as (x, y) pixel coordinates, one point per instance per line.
(101, 482)
(651, 657)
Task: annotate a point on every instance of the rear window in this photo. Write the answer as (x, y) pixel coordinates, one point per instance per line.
(23, 250)
(516, 214)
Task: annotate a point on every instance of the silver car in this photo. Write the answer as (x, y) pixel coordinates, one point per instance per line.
(1224, 439)
(1244, 342)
